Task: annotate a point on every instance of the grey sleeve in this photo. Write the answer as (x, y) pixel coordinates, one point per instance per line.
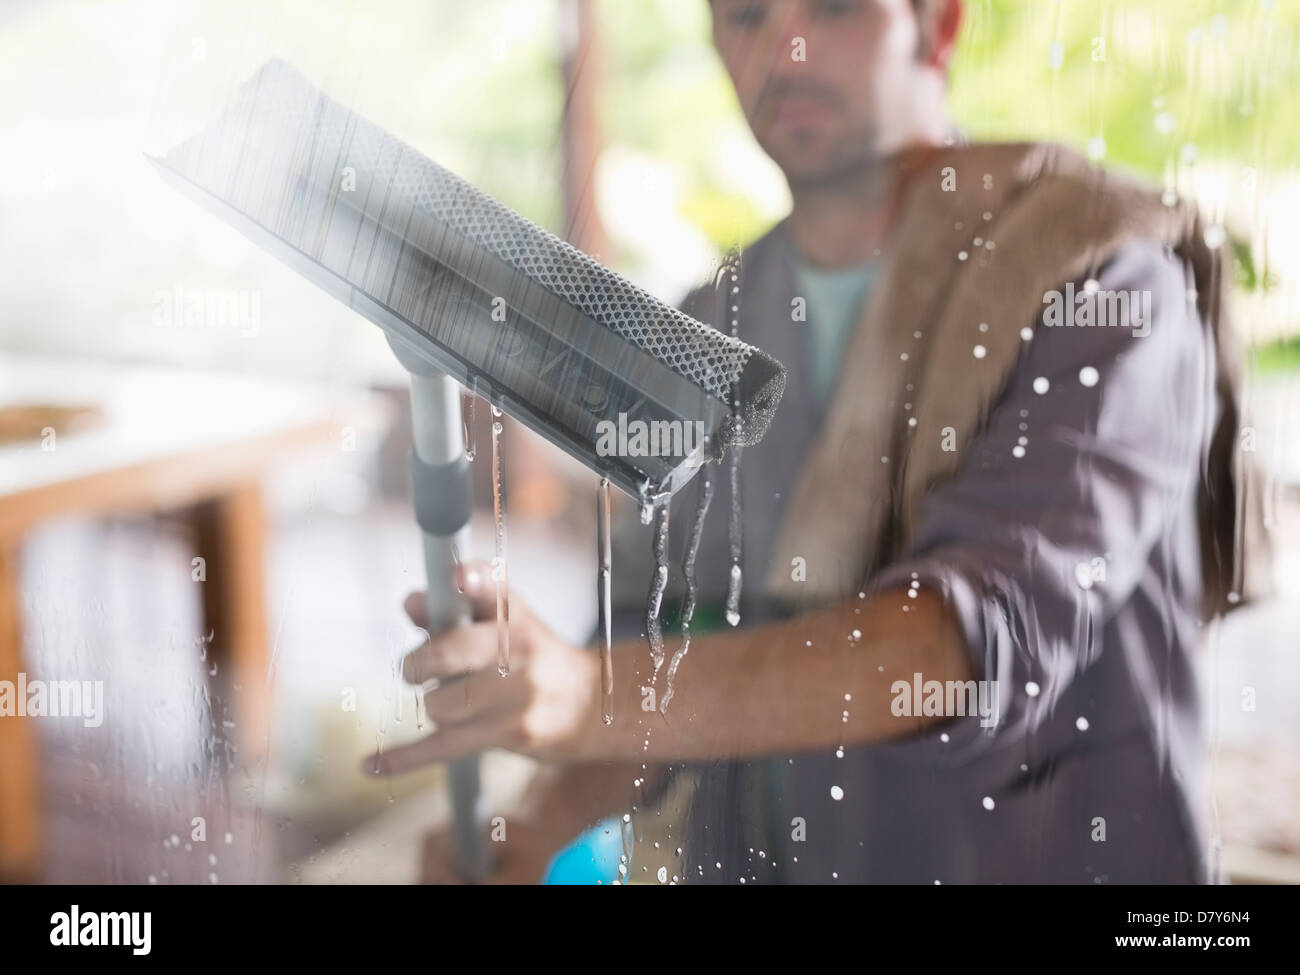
(1049, 524)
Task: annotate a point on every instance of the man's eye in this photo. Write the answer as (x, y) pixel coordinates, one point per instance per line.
(837, 8)
(745, 14)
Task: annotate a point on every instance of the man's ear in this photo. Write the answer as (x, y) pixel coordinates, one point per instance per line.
(940, 21)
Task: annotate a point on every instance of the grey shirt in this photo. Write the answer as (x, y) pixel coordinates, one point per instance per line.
(1072, 565)
(834, 297)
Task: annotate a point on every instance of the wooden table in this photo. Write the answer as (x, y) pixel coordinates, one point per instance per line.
(190, 443)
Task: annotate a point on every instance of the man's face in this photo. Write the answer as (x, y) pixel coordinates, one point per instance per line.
(825, 84)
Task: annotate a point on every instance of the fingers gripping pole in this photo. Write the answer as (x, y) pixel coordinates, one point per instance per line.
(441, 489)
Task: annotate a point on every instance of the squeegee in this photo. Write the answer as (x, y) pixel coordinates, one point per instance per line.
(469, 292)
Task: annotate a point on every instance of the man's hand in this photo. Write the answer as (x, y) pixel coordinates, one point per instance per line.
(546, 707)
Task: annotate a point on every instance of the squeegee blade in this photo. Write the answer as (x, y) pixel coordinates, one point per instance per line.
(549, 335)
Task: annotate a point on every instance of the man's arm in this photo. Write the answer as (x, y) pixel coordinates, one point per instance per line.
(818, 681)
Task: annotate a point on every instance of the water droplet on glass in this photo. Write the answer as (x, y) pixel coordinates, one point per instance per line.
(837, 793)
(1032, 688)
(988, 802)
(733, 597)
(1081, 724)
(1083, 575)
(1088, 375)
(979, 352)
(1042, 385)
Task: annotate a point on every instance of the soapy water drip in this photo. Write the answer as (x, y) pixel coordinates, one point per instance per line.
(499, 572)
(658, 584)
(627, 841)
(651, 497)
(471, 439)
(734, 534)
(604, 602)
(688, 570)
(734, 529)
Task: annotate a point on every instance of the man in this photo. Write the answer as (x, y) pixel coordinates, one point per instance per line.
(979, 538)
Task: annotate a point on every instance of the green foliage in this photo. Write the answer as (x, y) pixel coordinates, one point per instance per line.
(725, 217)
(1249, 277)
(1222, 77)
(1279, 356)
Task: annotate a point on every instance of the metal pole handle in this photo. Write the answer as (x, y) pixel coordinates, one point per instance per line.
(443, 505)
